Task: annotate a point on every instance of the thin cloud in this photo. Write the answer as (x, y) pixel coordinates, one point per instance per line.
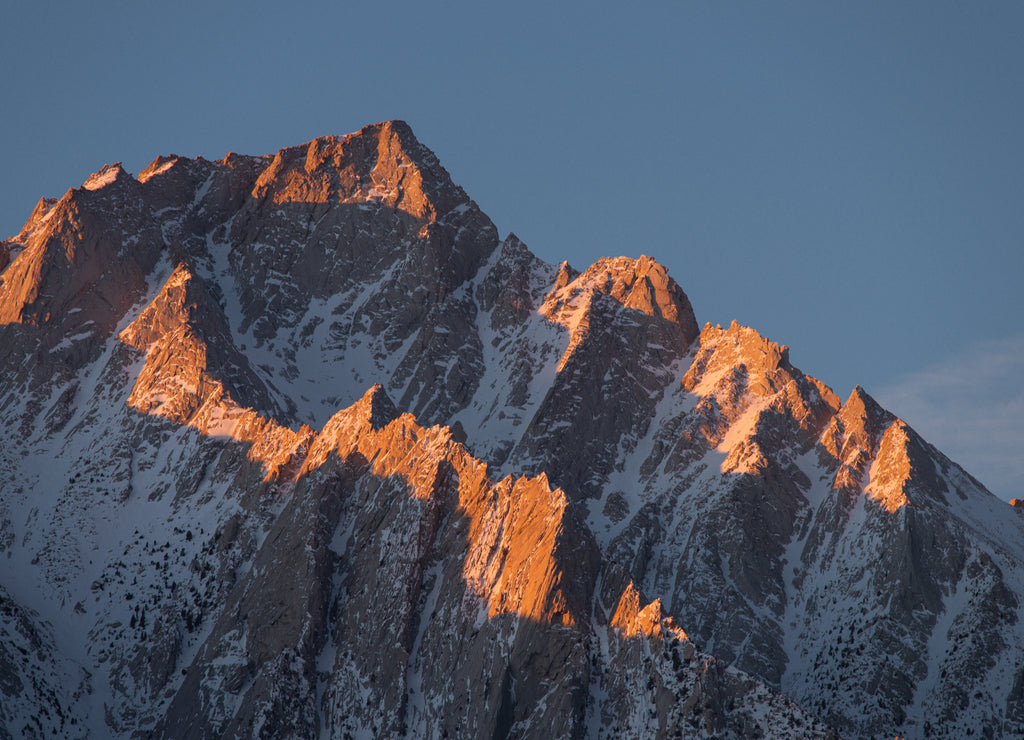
(971, 407)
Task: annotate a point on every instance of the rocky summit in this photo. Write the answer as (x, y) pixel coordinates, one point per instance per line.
(298, 446)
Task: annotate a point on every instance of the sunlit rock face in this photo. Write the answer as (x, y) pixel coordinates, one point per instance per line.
(298, 446)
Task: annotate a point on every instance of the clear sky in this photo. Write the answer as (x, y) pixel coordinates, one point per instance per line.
(847, 178)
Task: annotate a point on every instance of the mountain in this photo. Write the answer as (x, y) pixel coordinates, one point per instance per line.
(298, 446)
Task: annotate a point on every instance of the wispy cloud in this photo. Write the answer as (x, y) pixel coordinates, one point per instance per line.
(971, 407)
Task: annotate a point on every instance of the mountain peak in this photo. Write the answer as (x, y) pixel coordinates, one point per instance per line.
(640, 284)
(860, 404)
(376, 408)
(380, 164)
(43, 207)
(737, 347)
(106, 175)
(157, 166)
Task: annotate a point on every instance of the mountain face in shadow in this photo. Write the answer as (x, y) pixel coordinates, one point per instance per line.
(298, 446)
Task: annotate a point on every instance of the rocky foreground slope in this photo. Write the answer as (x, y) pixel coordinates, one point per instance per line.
(297, 446)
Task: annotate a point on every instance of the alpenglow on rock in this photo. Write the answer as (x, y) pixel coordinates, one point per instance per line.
(298, 446)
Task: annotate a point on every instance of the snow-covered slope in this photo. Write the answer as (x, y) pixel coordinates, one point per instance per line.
(296, 445)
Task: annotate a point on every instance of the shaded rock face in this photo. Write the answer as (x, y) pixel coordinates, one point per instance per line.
(44, 691)
(295, 445)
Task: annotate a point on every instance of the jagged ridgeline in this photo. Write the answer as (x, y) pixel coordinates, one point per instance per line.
(298, 446)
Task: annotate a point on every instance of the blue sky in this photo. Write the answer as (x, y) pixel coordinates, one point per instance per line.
(847, 178)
